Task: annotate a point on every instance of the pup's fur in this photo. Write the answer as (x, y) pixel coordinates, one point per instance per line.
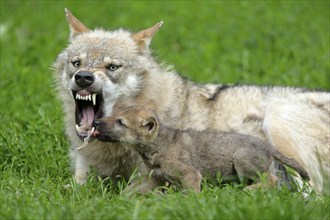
(185, 156)
(295, 121)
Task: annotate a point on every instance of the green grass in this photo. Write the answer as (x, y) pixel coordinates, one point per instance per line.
(276, 43)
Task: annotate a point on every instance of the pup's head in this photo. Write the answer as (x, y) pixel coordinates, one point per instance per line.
(99, 68)
(133, 125)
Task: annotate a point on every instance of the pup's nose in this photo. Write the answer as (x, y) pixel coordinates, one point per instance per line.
(96, 125)
(84, 78)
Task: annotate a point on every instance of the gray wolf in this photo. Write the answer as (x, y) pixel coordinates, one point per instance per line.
(185, 156)
(100, 68)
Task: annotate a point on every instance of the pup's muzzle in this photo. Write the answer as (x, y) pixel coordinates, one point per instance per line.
(101, 131)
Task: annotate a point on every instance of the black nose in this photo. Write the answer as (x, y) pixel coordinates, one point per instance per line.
(84, 79)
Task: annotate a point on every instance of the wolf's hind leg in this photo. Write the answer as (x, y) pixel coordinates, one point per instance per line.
(300, 132)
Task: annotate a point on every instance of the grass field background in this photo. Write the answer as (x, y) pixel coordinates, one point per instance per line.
(282, 43)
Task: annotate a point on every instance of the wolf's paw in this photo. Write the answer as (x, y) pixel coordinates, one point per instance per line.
(80, 178)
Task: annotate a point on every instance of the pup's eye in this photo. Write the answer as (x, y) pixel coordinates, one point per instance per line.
(76, 63)
(113, 67)
(121, 123)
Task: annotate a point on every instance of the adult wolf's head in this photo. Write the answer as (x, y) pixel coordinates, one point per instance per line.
(100, 68)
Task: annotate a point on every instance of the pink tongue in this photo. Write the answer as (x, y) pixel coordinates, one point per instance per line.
(87, 115)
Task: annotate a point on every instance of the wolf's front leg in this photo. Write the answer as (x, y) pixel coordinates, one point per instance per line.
(81, 167)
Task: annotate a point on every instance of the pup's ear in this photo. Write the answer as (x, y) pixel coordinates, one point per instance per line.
(144, 37)
(150, 125)
(76, 27)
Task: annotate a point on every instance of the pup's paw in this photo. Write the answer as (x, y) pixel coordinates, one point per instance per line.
(141, 186)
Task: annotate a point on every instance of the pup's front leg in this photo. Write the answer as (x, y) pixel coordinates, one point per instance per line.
(269, 182)
(81, 167)
(188, 175)
(192, 179)
(141, 186)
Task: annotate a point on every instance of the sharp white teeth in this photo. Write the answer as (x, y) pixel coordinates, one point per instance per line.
(90, 97)
(94, 98)
(77, 127)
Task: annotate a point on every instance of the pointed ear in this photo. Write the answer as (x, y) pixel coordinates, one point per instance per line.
(76, 27)
(150, 125)
(144, 37)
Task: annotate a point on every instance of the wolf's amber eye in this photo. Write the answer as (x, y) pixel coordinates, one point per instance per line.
(76, 63)
(113, 67)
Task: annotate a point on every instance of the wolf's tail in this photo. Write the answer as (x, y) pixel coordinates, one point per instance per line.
(291, 163)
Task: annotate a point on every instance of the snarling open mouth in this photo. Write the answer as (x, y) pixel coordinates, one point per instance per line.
(88, 108)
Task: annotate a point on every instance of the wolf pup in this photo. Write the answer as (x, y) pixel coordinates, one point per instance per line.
(99, 69)
(185, 156)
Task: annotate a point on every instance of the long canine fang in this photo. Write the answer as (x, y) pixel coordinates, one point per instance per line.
(90, 133)
(94, 98)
